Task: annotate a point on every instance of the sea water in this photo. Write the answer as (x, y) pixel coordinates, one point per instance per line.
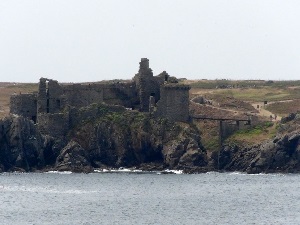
(142, 198)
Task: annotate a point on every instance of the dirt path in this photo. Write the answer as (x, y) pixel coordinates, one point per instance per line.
(233, 112)
(265, 113)
(257, 105)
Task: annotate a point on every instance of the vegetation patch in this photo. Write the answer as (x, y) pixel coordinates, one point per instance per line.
(257, 94)
(212, 144)
(209, 132)
(253, 135)
(284, 108)
(225, 83)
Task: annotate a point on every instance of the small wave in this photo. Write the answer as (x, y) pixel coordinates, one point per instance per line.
(270, 174)
(237, 173)
(256, 174)
(128, 170)
(173, 171)
(59, 172)
(120, 170)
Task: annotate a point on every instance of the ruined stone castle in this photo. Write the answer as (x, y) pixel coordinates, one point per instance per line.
(159, 95)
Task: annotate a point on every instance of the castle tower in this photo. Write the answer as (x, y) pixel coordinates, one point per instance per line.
(48, 99)
(144, 83)
(174, 102)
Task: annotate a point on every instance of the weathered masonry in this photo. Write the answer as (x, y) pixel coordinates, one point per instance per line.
(159, 95)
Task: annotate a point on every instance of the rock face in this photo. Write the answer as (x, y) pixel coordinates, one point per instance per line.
(118, 138)
(101, 137)
(280, 154)
(73, 158)
(131, 138)
(21, 145)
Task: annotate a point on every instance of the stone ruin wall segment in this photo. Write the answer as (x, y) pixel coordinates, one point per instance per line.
(167, 100)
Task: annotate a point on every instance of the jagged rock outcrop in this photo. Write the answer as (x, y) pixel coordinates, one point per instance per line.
(124, 138)
(21, 145)
(73, 158)
(101, 137)
(131, 138)
(280, 154)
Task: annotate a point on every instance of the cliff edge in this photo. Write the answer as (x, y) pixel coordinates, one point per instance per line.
(100, 136)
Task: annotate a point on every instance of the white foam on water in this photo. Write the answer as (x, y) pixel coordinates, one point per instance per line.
(256, 174)
(59, 172)
(128, 170)
(120, 170)
(173, 171)
(237, 173)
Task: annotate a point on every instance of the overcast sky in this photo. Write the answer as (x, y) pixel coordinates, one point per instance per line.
(92, 40)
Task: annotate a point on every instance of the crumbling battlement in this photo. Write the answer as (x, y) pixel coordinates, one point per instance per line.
(160, 95)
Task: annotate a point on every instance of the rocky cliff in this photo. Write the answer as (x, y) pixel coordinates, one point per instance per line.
(279, 154)
(101, 137)
(21, 145)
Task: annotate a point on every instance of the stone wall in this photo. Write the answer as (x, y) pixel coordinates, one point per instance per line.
(79, 95)
(174, 102)
(48, 99)
(24, 105)
(53, 98)
(54, 93)
(42, 96)
(124, 94)
(147, 85)
(54, 124)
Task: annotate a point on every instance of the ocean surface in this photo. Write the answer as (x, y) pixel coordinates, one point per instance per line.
(139, 198)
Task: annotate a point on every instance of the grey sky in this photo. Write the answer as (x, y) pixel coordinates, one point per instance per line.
(91, 40)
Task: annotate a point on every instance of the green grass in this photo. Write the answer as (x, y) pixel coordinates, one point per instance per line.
(261, 94)
(212, 84)
(257, 94)
(254, 135)
(211, 144)
(248, 90)
(284, 108)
